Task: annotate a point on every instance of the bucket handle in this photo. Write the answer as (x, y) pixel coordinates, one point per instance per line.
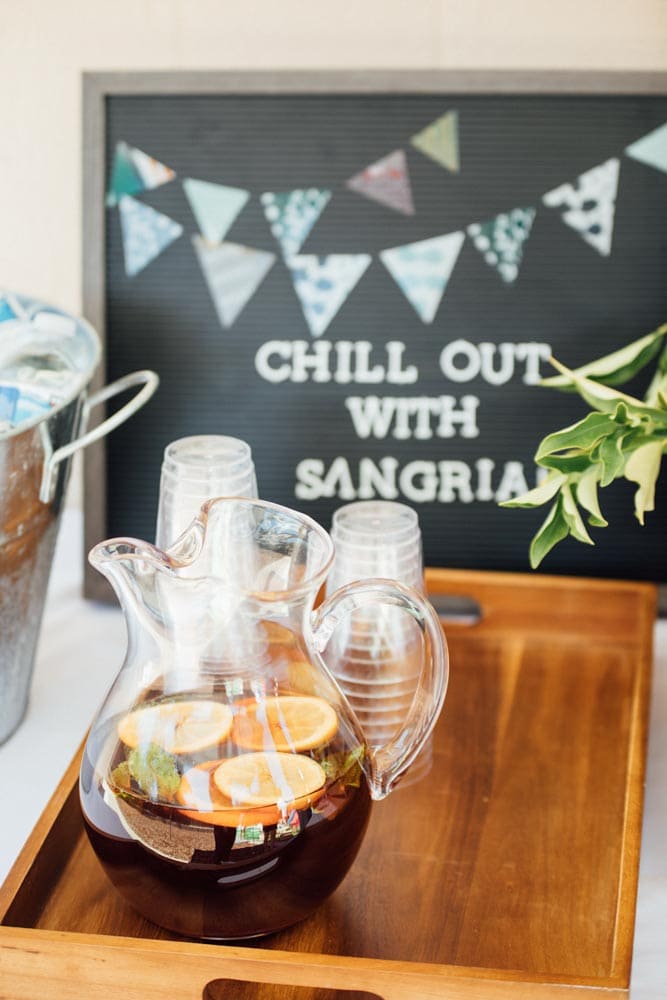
(149, 382)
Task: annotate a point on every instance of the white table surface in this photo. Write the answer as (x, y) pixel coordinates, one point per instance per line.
(81, 648)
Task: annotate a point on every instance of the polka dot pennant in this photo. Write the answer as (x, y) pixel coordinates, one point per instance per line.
(323, 284)
(501, 240)
(588, 207)
(387, 181)
(134, 171)
(421, 270)
(146, 233)
(292, 215)
(233, 273)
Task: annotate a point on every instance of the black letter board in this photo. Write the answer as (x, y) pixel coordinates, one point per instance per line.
(363, 277)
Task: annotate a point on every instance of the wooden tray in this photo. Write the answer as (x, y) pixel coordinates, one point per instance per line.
(509, 871)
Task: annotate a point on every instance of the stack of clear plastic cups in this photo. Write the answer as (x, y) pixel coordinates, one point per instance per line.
(197, 469)
(375, 654)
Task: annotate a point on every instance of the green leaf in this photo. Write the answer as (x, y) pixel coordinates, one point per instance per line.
(154, 770)
(643, 467)
(612, 459)
(587, 495)
(553, 530)
(573, 517)
(605, 399)
(541, 494)
(571, 462)
(656, 394)
(583, 435)
(618, 367)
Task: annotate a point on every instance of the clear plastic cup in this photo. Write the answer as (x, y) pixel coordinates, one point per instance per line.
(197, 469)
(376, 654)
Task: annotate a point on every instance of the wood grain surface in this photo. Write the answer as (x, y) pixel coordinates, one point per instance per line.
(509, 870)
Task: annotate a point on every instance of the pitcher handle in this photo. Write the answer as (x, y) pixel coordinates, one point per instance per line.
(148, 381)
(388, 763)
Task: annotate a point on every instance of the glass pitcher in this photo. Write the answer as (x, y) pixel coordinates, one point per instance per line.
(226, 783)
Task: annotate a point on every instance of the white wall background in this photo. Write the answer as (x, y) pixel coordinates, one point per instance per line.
(45, 46)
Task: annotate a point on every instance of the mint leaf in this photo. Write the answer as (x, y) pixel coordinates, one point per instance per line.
(154, 770)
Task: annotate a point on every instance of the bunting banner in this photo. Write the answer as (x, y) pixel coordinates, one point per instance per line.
(387, 181)
(146, 233)
(440, 141)
(501, 240)
(214, 206)
(292, 215)
(421, 270)
(589, 207)
(651, 149)
(233, 274)
(323, 284)
(134, 171)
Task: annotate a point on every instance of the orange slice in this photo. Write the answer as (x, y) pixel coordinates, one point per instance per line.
(205, 803)
(269, 779)
(287, 722)
(177, 726)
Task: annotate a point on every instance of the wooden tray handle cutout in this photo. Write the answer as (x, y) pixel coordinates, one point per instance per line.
(236, 989)
(456, 608)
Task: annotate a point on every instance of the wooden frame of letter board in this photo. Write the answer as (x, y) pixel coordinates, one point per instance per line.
(98, 86)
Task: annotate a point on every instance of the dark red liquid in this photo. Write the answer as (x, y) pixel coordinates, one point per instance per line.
(220, 884)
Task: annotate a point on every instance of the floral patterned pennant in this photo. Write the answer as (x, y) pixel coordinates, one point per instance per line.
(323, 284)
(386, 181)
(146, 233)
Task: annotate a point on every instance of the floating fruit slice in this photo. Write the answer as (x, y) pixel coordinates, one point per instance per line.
(205, 803)
(286, 722)
(177, 726)
(289, 780)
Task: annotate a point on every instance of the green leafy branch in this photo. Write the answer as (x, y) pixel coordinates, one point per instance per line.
(621, 438)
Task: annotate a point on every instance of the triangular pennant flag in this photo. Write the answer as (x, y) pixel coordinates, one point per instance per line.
(214, 206)
(651, 149)
(589, 207)
(146, 233)
(125, 178)
(440, 141)
(292, 215)
(421, 270)
(501, 240)
(323, 284)
(233, 274)
(134, 171)
(386, 181)
(152, 172)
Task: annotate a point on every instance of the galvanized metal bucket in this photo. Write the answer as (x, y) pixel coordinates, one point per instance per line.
(47, 359)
